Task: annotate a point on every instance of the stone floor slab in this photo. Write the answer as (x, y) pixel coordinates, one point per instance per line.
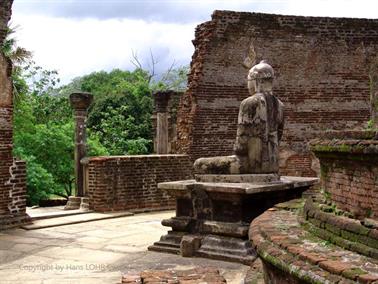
(71, 254)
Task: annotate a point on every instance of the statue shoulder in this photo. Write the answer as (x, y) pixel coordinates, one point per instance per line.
(256, 99)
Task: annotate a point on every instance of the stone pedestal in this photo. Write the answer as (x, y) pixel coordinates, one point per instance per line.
(212, 218)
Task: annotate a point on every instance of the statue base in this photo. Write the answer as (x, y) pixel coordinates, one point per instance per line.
(242, 178)
(212, 218)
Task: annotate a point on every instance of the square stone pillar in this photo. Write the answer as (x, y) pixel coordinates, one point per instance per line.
(162, 133)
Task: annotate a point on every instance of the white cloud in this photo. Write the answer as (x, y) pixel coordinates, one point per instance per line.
(333, 8)
(76, 47)
(81, 36)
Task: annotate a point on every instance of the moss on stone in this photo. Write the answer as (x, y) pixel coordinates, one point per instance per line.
(369, 241)
(360, 248)
(275, 262)
(353, 273)
(350, 236)
(333, 229)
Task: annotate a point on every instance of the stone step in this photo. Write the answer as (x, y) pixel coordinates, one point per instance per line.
(73, 219)
(171, 239)
(218, 255)
(225, 242)
(158, 248)
(281, 240)
(57, 214)
(229, 251)
(167, 244)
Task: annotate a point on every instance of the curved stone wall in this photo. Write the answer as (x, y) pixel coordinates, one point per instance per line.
(349, 170)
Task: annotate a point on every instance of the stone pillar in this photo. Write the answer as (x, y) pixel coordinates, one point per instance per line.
(162, 134)
(80, 103)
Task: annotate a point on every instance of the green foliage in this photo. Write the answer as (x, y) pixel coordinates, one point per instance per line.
(119, 120)
(120, 117)
(44, 135)
(123, 123)
(40, 183)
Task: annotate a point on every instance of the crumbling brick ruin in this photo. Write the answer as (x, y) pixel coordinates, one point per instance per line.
(322, 68)
(12, 172)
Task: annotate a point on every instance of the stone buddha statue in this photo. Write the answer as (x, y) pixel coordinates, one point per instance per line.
(259, 130)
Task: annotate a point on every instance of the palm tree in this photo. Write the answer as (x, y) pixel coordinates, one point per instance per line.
(19, 56)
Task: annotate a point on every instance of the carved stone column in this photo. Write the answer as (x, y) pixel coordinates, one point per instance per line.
(161, 103)
(80, 103)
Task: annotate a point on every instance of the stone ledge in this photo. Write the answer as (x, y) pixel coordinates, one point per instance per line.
(348, 142)
(286, 183)
(285, 246)
(345, 232)
(350, 135)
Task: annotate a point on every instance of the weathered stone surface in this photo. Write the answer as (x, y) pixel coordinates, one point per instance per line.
(162, 129)
(237, 230)
(220, 213)
(189, 245)
(260, 125)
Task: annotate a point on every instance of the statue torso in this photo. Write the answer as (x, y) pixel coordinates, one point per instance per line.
(259, 122)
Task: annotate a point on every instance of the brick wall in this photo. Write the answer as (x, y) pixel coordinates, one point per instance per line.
(130, 182)
(12, 172)
(12, 182)
(17, 195)
(322, 68)
(349, 171)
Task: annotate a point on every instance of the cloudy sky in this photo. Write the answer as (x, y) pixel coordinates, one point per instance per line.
(77, 37)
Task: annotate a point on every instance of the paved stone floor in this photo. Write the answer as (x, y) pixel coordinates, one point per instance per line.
(95, 252)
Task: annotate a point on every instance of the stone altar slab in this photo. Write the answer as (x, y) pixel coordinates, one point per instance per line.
(212, 218)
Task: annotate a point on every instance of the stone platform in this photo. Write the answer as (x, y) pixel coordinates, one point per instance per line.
(212, 218)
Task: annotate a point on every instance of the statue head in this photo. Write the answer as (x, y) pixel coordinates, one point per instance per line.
(260, 77)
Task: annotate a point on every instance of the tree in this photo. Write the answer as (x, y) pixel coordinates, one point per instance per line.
(119, 120)
(120, 116)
